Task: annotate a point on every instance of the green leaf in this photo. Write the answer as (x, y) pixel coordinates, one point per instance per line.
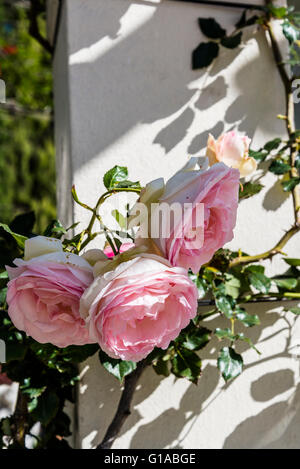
(20, 239)
(197, 339)
(249, 320)
(15, 351)
(291, 32)
(286, 283)
(255, 268)
(295, 310)
(230, 363)
(114, 176)
(120, 219)
(243, 21)
(277, 12)
(161, 367)
(272, 144)
(292, 261)
(55, 229)
(117, 368)
(297, 161)
(260, 282)
(279, 167)
(224, 305)
(187, 364)
(204, 54)
(249, 189)
(211, 28)
(46, 408)
(79, 353)
(231, 42)
(259, 156)
(290, 184)
(128, 184)
(232, 286)
(200, 284)
(224, 334)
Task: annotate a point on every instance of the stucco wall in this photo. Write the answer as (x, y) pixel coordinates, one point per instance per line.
(125, 94)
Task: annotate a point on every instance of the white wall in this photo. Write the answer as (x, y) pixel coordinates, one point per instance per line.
(125, 94)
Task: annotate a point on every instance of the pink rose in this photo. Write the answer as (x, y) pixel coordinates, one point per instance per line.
(232, 149)
(44, 292)
(108, 251)
(143, 303)
(215, 191)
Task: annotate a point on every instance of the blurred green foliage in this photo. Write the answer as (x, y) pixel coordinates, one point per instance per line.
(27, 167)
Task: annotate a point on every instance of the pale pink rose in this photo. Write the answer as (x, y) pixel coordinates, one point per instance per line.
(232, 149)
(214, 193)
(44, 292)
(108, 251)
(141, 304)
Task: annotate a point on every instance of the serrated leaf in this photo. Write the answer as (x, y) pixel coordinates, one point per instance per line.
(231, 42)
(279, 167)
(20, 239)
(211, 28)
(114, 176)
(230, 363)
(187, 364)
(118, 368)
(204, 54)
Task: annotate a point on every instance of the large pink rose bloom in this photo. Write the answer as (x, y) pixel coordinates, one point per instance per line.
(44, 292)
(141, 304)
(213, 193)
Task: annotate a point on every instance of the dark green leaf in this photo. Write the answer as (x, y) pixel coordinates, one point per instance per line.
(23, 224)
(224, 305)
(259, 156)
(249, 320)
(260, 282)
(231, 42)
(297, 161)
(249, 189)
(187, 364)
(272, 144)
(211, 28)
(46, 408)
(204, 54)
(230, 363)
(197, 339)
(279, 167)
(128, 184)
(290, 184)
(292, 261)
(161, 367)
(55, 229)
(117, 368)
(3, 293)
(224, 334)
(20, 239)
(79, 353)
(243, 21)
(114, 176)
(200, 284)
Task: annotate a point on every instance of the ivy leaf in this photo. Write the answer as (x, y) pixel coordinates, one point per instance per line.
(20, 239)
(211, 28)
(231, 42)
(116, 367)
(187, 364)
(46, 408)
(204, 54)
(249, 189)
(291, 32)
(272, 144)
(286, 283)
(114, 176)
(290, 184)
(249, 320)
(230, 363)
(224, 305)
(197, 339)
(279, 167)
